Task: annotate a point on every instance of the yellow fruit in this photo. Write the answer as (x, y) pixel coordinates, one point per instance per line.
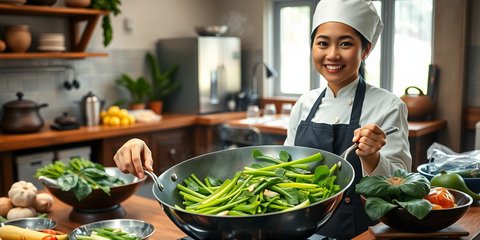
(114, 121)
(131, 118)
(113, 110)
(103, 113)
(106, 120)
(124, 121)
(123, 113)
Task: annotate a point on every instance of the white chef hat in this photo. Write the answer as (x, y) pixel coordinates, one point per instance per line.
(358, 14)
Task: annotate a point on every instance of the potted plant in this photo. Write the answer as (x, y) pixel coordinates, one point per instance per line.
(139, 89)
(163, 83)
(113, 7)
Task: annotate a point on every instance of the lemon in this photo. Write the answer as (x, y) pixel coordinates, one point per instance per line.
(103, 113)
(106, 120)
(114, 121)
(131, 118)
(113, 110)
(123, 113)
(124, 121)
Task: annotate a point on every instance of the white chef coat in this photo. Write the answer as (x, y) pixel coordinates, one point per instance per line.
(380, 107)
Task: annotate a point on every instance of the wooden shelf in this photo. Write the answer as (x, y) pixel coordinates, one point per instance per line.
(76, 16)
(32, 55)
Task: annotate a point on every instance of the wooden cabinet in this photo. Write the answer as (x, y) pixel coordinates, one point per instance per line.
(76, 17)
(168, 147)
(110, 146)
(171, 147)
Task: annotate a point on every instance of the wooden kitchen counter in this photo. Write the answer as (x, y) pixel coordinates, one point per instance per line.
(149, 210)
(136, 207)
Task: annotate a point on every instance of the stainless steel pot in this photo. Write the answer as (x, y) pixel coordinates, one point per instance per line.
(297, 224)
(21, 116)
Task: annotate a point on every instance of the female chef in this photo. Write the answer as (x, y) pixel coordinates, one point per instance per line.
(349, 110)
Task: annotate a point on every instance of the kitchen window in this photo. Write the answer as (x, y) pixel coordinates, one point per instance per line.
(400, 59)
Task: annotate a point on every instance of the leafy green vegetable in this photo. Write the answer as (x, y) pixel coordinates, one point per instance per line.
(108, 233)
(113, 6)
(80, 176)
(274, 184)
(384, 193)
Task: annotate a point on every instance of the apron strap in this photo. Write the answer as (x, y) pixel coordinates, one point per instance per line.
(315, 106)
(358, 102)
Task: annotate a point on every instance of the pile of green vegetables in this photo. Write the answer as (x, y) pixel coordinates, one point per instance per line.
(270, 185)
(79, 176)
(108, 233)
(403, 189)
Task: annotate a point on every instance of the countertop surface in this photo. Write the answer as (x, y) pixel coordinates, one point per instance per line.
(137, 207)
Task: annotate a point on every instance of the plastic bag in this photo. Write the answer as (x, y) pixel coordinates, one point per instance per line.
(443, 158)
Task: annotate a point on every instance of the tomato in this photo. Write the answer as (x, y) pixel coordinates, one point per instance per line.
(441, 196)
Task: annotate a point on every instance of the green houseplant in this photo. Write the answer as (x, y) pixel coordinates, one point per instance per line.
(139, 89)
(163, 83)
(113, 7)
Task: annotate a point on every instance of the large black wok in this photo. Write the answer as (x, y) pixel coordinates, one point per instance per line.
(297, 224)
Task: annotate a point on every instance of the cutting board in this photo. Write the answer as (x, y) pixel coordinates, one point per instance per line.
(382, 231)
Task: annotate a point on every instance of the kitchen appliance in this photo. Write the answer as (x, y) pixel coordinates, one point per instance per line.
(208, 69)
(296, 224)
(21, 116)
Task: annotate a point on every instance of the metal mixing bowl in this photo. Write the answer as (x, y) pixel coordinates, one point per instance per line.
(97, 198)
(139, 228)
(31, 223)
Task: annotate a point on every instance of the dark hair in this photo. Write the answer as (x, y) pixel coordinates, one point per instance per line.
(365, 42)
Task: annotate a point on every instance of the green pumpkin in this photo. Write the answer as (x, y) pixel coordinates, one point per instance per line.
(404, 189)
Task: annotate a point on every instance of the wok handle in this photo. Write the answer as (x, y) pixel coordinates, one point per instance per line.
(154, 178)
(387, 131)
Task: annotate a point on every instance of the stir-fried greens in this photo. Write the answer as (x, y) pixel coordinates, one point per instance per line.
(271, 185)
(108, 233)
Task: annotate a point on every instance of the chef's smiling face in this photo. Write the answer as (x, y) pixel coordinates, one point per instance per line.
(337, 53)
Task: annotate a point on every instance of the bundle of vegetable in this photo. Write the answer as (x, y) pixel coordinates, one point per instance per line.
(271, 185)
(79, 176)
(10, 232)
(107, 234)
(384, 193)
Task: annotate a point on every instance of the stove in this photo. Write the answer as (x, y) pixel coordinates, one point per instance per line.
(313, 237)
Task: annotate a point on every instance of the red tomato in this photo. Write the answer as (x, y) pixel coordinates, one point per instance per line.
(441, 196)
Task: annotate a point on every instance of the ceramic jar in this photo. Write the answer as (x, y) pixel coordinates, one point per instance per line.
(77, 3)
(3, 46)
(419, 106)
(18, 38)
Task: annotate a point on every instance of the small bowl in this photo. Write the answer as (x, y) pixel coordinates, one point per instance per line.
(472, 183)
(436, 220)
(140, 228)
(31, 223)
(97, 199)
(213, 30)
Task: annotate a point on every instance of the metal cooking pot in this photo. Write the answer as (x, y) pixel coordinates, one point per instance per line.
(21, 116)
(296, 224)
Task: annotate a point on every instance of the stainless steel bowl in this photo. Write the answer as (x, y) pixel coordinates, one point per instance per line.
(139, 228)
(215, 30)
(32, 223)
(97, 198)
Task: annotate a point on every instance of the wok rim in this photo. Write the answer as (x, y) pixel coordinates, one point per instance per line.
(333, 197)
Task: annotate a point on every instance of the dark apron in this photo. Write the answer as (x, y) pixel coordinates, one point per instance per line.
(350, 218)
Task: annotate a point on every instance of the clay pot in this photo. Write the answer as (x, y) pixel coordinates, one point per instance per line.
(419, 105)
(18, 38)
(3, 46)
(21, 116)
(156, 106)
(78, 3)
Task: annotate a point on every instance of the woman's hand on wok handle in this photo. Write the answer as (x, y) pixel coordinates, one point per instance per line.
(370, 139)
(132, 156)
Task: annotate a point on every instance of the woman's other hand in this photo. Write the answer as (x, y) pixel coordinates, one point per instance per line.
(370, 139)
(132, 156)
